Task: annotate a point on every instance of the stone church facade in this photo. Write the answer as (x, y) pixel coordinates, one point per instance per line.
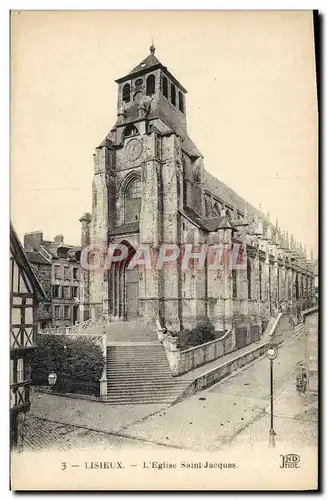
(150, 188)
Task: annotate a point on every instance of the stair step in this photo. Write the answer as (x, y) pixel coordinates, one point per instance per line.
(145, 394)
(153, 383)
(139, 374)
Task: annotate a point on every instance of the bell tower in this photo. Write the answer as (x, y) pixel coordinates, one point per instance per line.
(139, 187)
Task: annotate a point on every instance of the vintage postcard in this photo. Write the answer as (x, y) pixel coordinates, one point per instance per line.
(164, 250)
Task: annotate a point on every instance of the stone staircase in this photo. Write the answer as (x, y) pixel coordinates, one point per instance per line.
(140, 374)
(119, 332)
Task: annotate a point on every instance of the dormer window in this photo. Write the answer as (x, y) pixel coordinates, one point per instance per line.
(165, 87)
(150, 85)
(126, 93)
(173, 95)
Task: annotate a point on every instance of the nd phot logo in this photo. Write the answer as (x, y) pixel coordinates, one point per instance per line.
(290, 461)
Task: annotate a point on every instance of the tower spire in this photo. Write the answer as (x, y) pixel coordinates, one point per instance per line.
(152, 47)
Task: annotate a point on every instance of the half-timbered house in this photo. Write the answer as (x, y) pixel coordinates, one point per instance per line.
(25, 293)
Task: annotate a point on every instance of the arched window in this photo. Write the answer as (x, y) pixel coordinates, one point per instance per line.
(181, 107)
(165, 87)
(249, 278)
(150, 85)
(132, 201)
(296, 287)
(173, 95)
(130, 130)
(234, 283)
(126, 92)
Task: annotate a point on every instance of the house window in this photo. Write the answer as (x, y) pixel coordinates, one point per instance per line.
(66, 273)
(66, 312)
(126, 92)
(249, 278)
(20, 370)
(165, 87)
(75, 273)
(75, 292)
(173, 95)
(234, 283)
(132, 201)
(181, 107)
(56, 291)
(57, 312)
(150, 85)
(57, 272)
(66, 290)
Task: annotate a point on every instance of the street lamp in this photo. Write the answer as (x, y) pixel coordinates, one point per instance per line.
(271, 354)
(52, 379)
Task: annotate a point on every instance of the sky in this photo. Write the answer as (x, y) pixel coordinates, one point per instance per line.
(251, 106)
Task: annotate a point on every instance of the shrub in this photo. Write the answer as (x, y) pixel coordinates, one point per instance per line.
(78, 363)
(202, 333)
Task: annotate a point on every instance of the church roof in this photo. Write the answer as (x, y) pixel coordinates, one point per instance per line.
(229, 196)
(150, 63)
(129, 227)
(211, 224)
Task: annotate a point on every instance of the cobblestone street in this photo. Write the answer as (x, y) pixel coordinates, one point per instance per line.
(43, 435)
(231, 413)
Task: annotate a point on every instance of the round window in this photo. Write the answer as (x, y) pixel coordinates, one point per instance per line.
(139, 82)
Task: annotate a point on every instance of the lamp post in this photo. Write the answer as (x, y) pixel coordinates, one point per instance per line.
(52, 379)
(271, 354)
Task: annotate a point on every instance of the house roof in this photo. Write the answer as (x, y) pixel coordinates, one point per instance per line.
(37, 258)
(20, 257)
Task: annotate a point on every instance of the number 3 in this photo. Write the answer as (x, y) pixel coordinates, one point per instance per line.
(63, 465)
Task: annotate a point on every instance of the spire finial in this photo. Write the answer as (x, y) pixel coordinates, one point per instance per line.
(152, 47)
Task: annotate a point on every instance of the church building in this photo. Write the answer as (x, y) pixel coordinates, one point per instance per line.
(150, 187)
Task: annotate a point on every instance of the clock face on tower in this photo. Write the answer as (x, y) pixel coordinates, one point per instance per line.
(133, 150)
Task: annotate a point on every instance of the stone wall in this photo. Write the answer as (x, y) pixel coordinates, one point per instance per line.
(189, 359)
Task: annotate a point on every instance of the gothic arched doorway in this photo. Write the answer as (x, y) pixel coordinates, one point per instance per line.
(124, 287)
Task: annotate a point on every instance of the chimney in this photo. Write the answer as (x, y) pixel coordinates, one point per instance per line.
(33, 240)
(59, 239)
